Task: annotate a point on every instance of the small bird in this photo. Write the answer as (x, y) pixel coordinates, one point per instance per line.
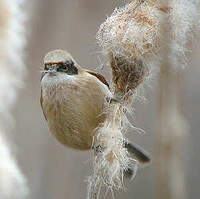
(73, 100)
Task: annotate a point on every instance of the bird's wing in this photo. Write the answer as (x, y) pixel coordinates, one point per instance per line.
(41, 103)
(100, 77)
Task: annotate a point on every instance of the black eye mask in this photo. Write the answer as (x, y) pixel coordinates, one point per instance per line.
(67, 67)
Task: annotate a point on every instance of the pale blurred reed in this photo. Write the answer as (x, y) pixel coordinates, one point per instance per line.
(12, 39)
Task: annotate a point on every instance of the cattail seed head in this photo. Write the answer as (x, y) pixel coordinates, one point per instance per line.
(132, 38)
(126, 75)
(129, 36)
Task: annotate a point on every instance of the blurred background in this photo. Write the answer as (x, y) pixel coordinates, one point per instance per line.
(56, 172)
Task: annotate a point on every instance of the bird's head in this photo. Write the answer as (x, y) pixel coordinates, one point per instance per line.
(60, 61)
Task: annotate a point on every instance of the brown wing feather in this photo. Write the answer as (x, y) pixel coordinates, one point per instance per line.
(165, 9)
(100, 77)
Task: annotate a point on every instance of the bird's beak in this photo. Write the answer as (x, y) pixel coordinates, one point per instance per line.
(52, 71)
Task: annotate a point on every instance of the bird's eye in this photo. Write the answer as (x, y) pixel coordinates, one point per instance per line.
(67, 67)
(63, 66)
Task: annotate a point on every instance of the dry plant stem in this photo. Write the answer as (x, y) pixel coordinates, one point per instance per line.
(172, 130)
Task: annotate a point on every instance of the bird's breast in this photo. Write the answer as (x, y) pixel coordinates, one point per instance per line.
(73, 106)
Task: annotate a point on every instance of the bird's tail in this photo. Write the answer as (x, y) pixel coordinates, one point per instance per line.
(139, 154)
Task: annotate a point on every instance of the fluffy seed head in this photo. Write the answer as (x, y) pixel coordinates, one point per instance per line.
(130, 31)
(133, 34)
(130, 36)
